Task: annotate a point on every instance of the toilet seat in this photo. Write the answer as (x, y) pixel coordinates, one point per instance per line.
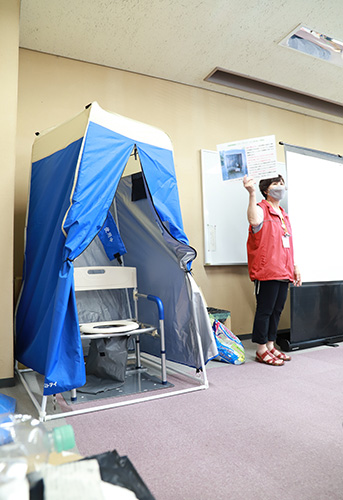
(108, 327)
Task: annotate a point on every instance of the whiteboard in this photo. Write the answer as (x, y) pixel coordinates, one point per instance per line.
(225, 205)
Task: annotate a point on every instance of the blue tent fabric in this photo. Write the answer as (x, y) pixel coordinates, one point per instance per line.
(163, 187)
(110, 238)
(71, 193)
(104, 158)
(64, 348)
(45, 242)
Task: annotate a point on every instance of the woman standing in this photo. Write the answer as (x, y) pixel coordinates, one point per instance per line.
(270, 264)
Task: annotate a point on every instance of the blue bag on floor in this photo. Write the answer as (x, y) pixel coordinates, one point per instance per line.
(7, 407)
(230, 348)
(7, 404)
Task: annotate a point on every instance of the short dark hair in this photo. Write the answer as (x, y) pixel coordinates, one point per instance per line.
(265, 183)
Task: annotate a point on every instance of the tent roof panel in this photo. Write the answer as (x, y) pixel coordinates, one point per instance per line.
(57, 138)
(132, 129)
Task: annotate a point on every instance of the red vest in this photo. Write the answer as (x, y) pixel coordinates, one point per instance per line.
(267, 257)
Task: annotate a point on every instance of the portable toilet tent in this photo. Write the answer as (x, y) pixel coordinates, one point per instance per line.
(76, 175)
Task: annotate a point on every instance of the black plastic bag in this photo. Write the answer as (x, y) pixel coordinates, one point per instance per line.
(107, 358)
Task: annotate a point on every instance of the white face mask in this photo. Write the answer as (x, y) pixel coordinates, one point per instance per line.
(277, 192)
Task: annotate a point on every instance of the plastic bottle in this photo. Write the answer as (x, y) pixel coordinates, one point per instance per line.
(25, 445)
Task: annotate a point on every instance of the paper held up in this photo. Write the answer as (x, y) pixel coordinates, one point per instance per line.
(253, 157)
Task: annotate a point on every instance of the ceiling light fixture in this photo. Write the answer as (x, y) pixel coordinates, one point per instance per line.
(315, 44)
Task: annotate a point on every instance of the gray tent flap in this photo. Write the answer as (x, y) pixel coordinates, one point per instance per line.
(161, 263)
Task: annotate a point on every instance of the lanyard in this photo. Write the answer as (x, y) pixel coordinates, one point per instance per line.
(283, 223)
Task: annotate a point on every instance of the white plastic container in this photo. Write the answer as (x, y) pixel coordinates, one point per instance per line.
(25, 445)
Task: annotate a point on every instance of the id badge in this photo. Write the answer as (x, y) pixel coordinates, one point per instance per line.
(285, 241)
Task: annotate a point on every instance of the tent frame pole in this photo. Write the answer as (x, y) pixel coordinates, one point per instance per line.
(43, 416)
(40, 408)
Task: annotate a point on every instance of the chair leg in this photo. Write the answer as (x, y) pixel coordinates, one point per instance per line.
(138, 353)
(163, 353)
(42, 413)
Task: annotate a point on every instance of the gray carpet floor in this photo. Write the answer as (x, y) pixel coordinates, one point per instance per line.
(258, 432)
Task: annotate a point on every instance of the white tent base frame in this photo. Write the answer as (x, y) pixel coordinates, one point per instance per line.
(199, 380)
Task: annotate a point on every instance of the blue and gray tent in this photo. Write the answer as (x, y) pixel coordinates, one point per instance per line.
(83, 211)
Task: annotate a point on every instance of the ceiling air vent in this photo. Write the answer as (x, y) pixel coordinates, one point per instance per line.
(221, 76)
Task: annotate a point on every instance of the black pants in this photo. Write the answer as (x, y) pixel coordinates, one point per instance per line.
(270, 300)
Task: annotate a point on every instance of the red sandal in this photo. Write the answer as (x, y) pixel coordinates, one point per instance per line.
(280, 355)
(273, 360)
